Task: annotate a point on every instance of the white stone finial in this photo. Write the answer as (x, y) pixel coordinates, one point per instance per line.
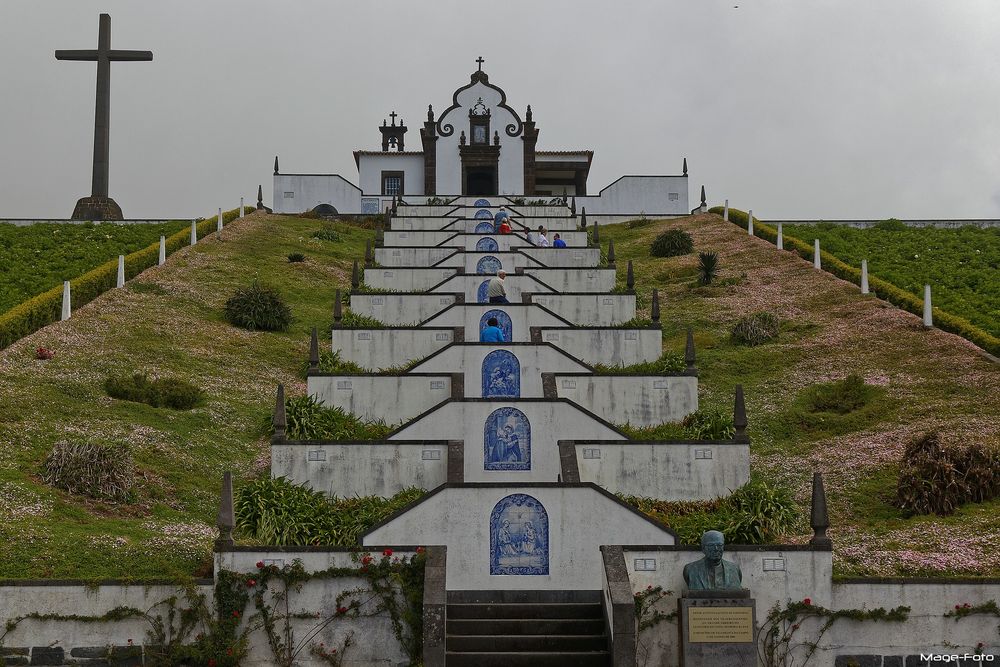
(218, 227)
(241, 207)
(725, 211)
(750, 222)
(194, 232)
(121, 271)
(928, 311)
(67, 310)
(781, 237)
(163, 251)
(864, 276)
(817, 264)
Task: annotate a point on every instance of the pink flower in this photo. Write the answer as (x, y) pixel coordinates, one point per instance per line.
(341, 610)
(420, 550)
(251, 582)
(387, 553)
(807, 601)
(260, 565)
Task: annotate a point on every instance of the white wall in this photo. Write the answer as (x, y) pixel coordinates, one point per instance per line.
(377, 349)
(509, 261)
(391, 398)
(417, 208)
(362, 469)
(634, 195)
(665, 470)
(311, 190)
(407, 280)
(400, 309)
(469, 286)
(550, 422)
(401, 237)
(458, 517)
(370, 168)
(427, 224)
(594, 310)
(639, 400)
(411, 256)
(565, 257)
(533, 359)
(522, 316)
(589, 279)
(613, 347)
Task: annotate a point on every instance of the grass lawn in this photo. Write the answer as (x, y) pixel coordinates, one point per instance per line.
(169, 322)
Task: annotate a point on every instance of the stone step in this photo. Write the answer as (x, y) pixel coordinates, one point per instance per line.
(529, 643)
(527, 658)
(525, 626)
(524, 596)
(557, 610)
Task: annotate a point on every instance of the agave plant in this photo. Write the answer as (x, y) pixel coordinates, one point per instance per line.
(708, 267)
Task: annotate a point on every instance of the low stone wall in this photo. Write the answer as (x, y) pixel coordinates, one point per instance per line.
(392, 398)
(469, 286)
(702, 470)
(412, 256)
(423, 222)
(565, 257)
(589, 310)
(398, 309)
(469, 261)
(407, 280)
(604, 345)
(586, 279)
(522, 316)
(418, 238)
(348, 469)
(377, 349)
(416, 209)
(638, 400)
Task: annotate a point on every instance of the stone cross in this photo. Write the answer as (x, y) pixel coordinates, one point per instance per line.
(99, 204)
(393, 117)
(480, 61)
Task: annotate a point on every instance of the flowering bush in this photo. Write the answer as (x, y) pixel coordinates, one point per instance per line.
(44, 353)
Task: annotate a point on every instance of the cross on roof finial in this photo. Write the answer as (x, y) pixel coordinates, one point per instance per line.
(480, 61)
(393, 117)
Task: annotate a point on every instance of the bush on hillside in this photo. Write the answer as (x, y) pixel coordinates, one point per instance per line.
(295, 257)
(709, 425)
(937, 479)
(258, 307)
(669, 362)
(839, 397)
(308, 419)
(327, 233)
(275, 511)
(331, 362)
(160, 392)
(100, 471)
(672, 243)
(708, 267)
(756, 328)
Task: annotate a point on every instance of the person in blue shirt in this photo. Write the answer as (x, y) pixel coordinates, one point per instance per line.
(558, 242)
(491, 333)
(499, 218)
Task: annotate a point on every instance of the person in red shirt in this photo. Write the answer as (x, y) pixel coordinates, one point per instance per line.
(504, 227)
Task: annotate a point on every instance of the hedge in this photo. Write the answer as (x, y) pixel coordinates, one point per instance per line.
(881, 288)
(44, 309)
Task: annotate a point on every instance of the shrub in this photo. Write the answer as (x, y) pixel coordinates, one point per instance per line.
(100, 471)
(669, 362)
(436, 201)
(839, 397)
(935, 479)
(537, 202)
(327, 233)
(146, 288)
(891, 225)
(161, 392)
(308, 419)
(296, 257)
(709, 425)
(331, 362)
(275, 511)
(708, 267)
(672, 243)
(258, 307)
(756, 513)
(638, 223)
(756, 328)
(350, 319)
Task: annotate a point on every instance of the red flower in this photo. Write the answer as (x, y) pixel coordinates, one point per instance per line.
(795, 627)
(966, 605)
(251, 582)
(44, 353)
(341, 610)
(211, 662)
(958, 606)
(366, 560)
(420, 550)
(650, 587)
(236, 614)
(260, 565)
(807, 602)
(387, 553)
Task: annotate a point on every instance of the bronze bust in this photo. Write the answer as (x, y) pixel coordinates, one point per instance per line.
(712, 573)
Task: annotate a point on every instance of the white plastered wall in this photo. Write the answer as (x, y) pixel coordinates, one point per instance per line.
(609, 346)
(307, 191)
(391, 398)
(590, 310)
(370, 168)
(588, 279)
(522, 317)
(377, 349)
(400, 309)
(638, 400)
(407, 279)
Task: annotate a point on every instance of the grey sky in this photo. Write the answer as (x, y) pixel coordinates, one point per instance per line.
(843, 108)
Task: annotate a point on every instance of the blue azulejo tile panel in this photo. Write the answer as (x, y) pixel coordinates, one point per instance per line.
(487, 245)
(484, 228)
(482, 202)
(507, 440)
(501, 375)
(369, 205)
(519, 536)
(503, 321)
(483, 214)
(488, 264)
(481, 292)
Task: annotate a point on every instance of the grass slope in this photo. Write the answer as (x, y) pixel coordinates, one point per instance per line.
(174, 329)
(38, 257)
(926, 379)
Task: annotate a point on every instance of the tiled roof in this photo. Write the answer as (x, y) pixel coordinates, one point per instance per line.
(564, 152)
(388, 152)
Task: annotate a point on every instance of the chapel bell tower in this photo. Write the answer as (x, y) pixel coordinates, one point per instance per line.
(392, 135)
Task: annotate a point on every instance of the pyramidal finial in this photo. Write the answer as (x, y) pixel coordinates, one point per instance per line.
(355, 276)
(338, 309)
(276, 164)
(654, 309)
(629, 276)
(740, 416)
(260, 196)
(225, 520)
(611, 251)
(314, 351)
(278, 421)
(369, 257)
(583, 218)
(430, 114)
(597, 234)
(527, 114)
(572, 206)
(819, 520)
(703, 203)
(689, 351)
(685, 173)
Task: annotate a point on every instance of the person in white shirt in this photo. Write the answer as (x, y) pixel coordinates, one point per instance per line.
(543, 240)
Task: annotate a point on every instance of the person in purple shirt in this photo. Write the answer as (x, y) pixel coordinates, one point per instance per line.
(558, 242)
(491, 333)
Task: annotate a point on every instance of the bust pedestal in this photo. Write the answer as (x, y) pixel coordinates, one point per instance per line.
(97, 208)
(717, 627)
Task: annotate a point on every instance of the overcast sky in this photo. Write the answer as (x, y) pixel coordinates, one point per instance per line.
(834, 109)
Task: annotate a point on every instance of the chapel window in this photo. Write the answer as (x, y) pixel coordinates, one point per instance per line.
(392, 183)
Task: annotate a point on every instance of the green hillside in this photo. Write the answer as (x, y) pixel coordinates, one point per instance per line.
(169, 322)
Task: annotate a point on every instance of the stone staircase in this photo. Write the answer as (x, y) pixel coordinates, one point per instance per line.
(515, 628)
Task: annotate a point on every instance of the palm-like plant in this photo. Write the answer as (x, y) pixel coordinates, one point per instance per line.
(708, 267)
